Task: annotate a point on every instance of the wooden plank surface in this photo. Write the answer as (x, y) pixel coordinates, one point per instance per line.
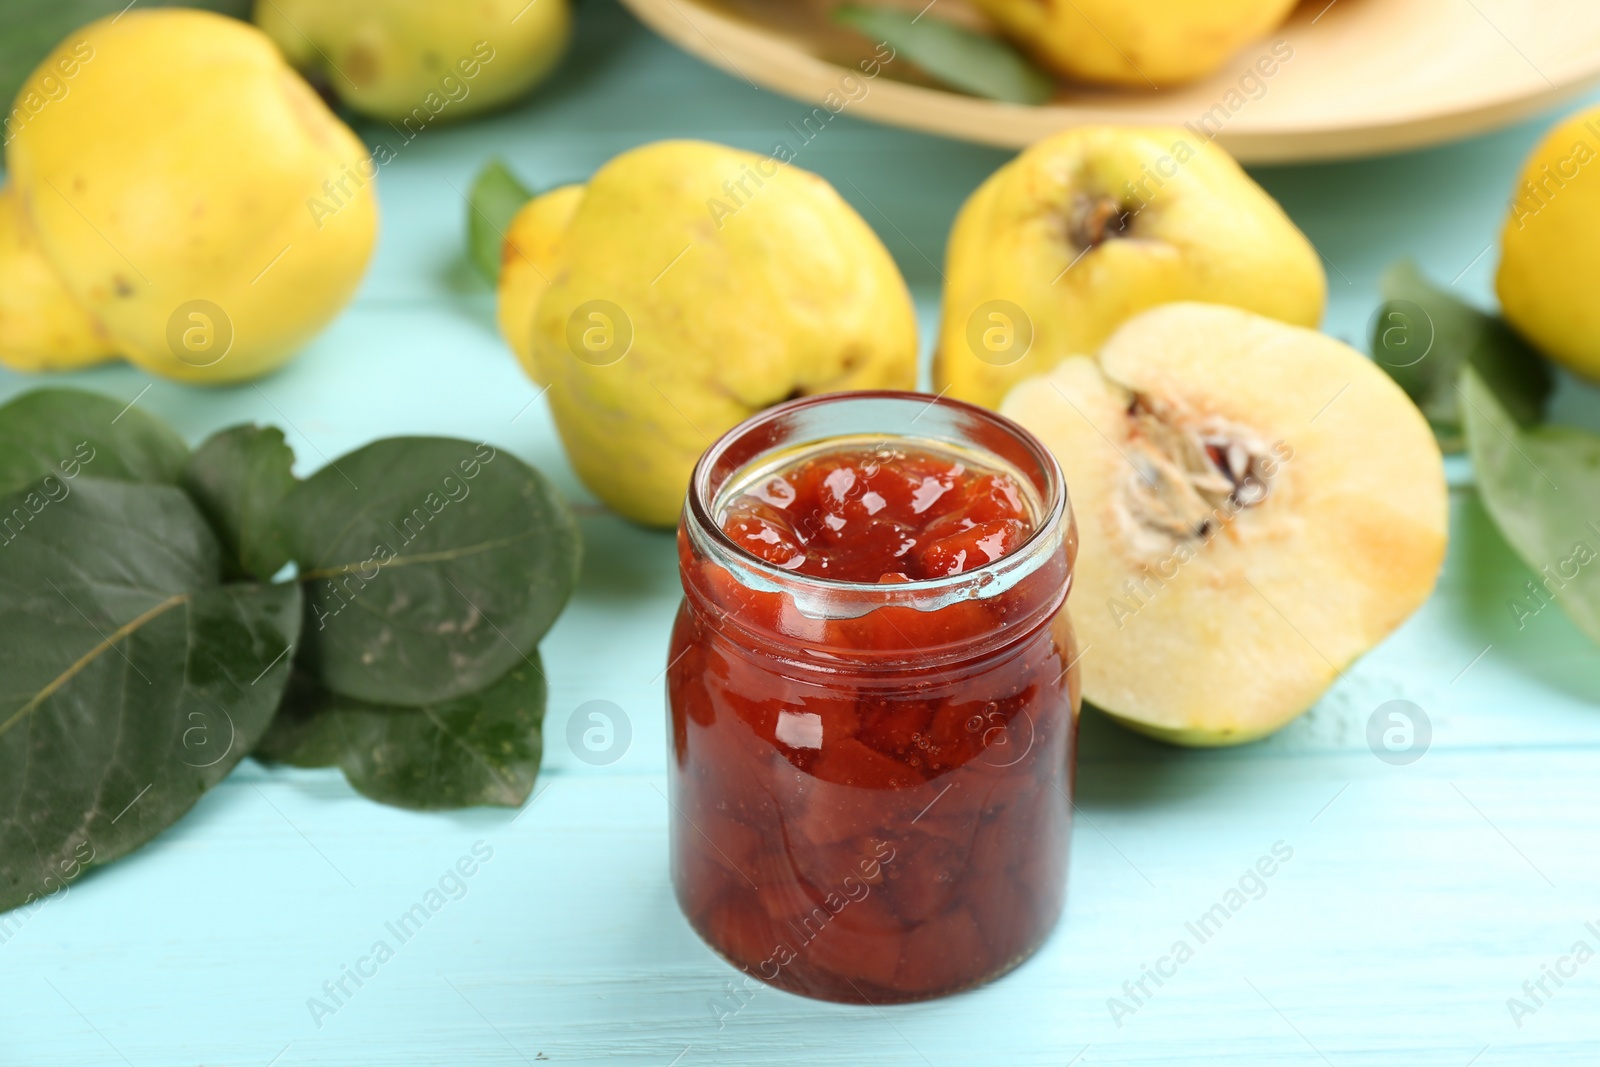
(1417, 900)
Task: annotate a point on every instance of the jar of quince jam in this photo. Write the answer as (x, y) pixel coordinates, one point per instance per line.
(873, 696)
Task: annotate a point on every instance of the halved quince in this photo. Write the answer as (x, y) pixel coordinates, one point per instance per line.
(1258, 504)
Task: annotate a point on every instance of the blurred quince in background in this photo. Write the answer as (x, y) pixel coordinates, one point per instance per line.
(685, 287)
(1154, 44)
(1094, 225)
(1550, 248)
(420, 59)
(178, 196)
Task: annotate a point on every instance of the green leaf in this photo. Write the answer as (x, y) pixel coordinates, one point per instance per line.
(483, 748)
(68, 432)
(1423, 336)
(1542, 488)
(973, 62)
(432, 566)
(35, 27)
(496, 197)
(239, 477)
(130, 680)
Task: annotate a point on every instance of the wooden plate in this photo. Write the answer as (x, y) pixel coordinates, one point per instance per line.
(1364, 77)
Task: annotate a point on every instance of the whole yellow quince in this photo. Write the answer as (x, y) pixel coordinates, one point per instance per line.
(190, 192)
(1094, 225)
(1154, 44)
(1550, 247)
(684, 288)
(529, 257)
(41, 326)
(412, 61)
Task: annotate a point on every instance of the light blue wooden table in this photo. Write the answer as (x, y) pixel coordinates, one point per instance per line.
(1417, 900)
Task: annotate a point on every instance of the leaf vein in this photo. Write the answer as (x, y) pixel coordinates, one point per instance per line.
(90, 656)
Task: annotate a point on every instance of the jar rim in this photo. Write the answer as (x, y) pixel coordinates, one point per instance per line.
(1056, 509)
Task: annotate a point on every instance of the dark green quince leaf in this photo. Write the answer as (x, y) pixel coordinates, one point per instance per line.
(431, 566)
(63, 433)
(483, 748)
(495, 199)
(1542, 488)
(131, 681)
(1423, 336)
(972, 62)
(239, 477)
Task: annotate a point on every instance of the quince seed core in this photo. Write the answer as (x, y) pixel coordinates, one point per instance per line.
(1191, 475)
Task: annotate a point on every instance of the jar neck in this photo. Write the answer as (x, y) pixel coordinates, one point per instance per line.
(822, 621)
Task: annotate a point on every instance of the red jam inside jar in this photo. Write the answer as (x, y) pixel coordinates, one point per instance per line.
(873, 697)
(879, 514)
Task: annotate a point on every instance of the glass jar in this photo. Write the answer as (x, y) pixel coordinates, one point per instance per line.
(871, 783)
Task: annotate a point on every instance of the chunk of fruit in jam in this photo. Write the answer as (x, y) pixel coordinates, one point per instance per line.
(861, 514)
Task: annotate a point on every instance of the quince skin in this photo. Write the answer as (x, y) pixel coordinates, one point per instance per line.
(41, 327)
(1153, 44)
(191, 194)
(1095, 224)
(1550, 247)
(684, 288)
(411, 61)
